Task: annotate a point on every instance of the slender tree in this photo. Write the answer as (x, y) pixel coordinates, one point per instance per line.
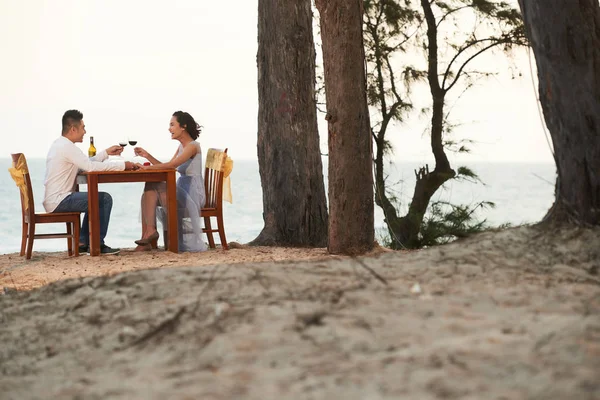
(294, 202)
(394, 28)
(565, 37)
(351, 225)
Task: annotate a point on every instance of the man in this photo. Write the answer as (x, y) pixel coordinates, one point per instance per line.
(63, 162)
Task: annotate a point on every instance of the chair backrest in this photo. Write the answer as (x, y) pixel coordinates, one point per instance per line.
(24, 183)
(213, 177)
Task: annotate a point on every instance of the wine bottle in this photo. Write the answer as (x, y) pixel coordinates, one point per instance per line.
(92, 149)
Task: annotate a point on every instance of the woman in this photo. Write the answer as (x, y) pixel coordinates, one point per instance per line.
(190, 187)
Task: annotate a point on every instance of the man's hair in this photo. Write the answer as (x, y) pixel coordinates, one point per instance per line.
(69, 119)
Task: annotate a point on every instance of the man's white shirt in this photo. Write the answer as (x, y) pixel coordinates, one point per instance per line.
(63, 162)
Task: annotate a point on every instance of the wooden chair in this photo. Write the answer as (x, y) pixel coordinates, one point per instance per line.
(20, 174)
(213, 187)
(213, 207)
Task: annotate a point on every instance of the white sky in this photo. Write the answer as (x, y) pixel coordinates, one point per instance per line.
(127, 65)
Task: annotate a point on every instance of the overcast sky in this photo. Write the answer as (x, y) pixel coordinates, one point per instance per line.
(128, 65)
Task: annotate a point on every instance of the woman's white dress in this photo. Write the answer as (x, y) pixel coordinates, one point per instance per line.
(190, 200)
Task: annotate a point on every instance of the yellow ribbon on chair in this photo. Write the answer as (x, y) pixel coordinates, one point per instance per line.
(17, 172)
(227, 168)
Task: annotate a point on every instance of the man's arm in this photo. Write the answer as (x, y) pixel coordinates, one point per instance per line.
(100, 156)
(81, 161)
(115, 150)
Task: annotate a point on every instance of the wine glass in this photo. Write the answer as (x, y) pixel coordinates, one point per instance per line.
(133, 142)
(122, 143)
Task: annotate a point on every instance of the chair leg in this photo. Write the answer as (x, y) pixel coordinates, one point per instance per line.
(76, 232)
(221, 229)
(30, 240)
(70, 239)
(209, 234)
(24, 238)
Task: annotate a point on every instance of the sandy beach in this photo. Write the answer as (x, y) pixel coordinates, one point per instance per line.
(46, 267)
(512, 314)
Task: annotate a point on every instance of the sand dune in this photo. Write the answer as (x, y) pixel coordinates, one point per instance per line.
(513, 314)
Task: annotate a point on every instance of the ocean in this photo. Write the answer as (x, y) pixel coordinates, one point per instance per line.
(522, 193)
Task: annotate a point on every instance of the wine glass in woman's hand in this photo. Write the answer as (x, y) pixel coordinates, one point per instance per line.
(140, 152)
(132, 142)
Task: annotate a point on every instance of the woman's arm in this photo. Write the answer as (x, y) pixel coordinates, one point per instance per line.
(188, 152)
(139, 151)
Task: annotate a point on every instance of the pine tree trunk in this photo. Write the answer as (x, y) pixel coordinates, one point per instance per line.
(405, 231)
(565, 37)
(289, 158)
(351, 225)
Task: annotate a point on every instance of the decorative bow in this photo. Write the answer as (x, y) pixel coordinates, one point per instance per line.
(18, 172)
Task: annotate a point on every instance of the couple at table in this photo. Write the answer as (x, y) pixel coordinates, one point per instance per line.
(65, 160)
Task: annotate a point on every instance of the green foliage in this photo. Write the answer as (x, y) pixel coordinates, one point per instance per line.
(446, 222)
(458, 146)
(399, 43)
(467, 174)
(395, 28)
(484, 6)
(389, 27)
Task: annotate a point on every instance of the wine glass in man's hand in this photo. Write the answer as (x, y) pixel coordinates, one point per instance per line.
(122, 143)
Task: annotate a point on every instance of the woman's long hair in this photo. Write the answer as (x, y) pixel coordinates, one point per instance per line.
(187, 122)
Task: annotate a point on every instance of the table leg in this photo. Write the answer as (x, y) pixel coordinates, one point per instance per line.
(93, 215)
(173, 240)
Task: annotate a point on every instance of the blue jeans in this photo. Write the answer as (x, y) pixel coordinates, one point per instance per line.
(78, 201)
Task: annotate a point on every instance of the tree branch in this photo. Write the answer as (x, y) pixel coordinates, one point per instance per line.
(461, 51)
(470, 59)
(432, 47)
(451, 12)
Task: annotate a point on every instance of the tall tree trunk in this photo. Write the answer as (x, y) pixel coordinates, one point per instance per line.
(405, 230)
(565, 37)
(351, 223)
(289, 157)
(428, 182)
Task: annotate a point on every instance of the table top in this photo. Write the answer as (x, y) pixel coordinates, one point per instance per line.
(140, 175)
(138, 171)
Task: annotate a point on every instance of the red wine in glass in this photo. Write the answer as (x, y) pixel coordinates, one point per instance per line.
(132, 142)
(122, 143)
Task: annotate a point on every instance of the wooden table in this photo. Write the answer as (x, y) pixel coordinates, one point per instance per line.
(92, 179)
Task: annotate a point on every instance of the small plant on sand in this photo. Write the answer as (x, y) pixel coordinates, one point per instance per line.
(444, 223)
(447, 222)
